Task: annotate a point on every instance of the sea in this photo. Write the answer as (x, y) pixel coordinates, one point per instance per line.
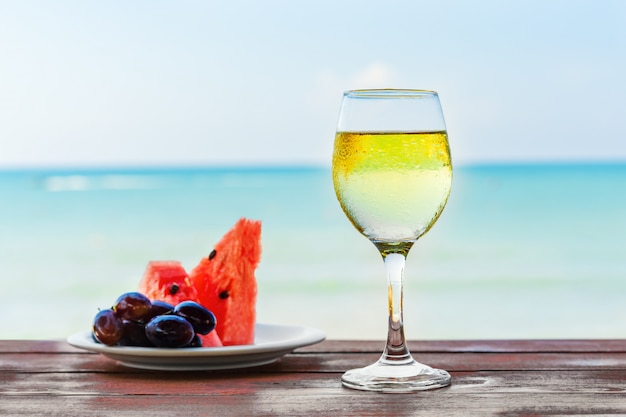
(520, 251)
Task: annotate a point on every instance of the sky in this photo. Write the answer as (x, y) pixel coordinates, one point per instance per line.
(152, 82)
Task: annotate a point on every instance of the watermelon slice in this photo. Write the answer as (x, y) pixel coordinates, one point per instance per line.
(168, 281)
(211, 339)
(226, 284)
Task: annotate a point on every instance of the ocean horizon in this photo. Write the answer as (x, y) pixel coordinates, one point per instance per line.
(523, 250)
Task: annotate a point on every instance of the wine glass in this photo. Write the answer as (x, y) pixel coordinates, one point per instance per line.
(392, 175)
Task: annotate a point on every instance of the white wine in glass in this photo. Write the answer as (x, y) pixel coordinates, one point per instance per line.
(392, 175)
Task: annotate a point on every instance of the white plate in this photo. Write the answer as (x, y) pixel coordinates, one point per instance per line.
(271, 342)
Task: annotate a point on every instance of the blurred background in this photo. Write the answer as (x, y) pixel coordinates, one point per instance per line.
(132, 131)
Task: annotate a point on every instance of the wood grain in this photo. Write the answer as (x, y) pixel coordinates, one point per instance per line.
(490, 378)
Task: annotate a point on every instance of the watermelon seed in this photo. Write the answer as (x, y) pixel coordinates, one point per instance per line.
(174, 289)
(212, 254)
(224, 295)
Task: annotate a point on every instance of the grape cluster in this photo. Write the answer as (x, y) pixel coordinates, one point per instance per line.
(135, 320)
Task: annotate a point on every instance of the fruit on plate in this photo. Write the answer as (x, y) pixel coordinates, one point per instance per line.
(201, 319)
(225, 282)
(167, 281)
(169, 331)
(132, 306)
(107, 328)
(135, 320)
(217, 299)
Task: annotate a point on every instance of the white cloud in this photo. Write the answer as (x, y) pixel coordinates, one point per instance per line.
(375, 75)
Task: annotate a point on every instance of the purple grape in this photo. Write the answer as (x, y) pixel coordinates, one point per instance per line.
(158, 308)
(202, 319)
(134, 334)
(132, 306)
(107, 328)
(169, 331)
(195, 342)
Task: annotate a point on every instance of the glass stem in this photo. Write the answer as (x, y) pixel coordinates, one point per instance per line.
(396, 351)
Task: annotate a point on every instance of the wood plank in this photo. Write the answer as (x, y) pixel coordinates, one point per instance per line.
(507, 378)
(333, 362)
(362, 404)
(600, 382)
(515, 393)
(316, 404)
(376, 346)
(477, 346)
(34, 346)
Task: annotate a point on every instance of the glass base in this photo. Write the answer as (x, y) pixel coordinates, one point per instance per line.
(396, 378)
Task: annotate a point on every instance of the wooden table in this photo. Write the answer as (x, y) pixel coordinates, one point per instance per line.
(502, 378)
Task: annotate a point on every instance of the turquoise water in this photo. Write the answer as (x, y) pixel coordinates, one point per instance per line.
(520, 251)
